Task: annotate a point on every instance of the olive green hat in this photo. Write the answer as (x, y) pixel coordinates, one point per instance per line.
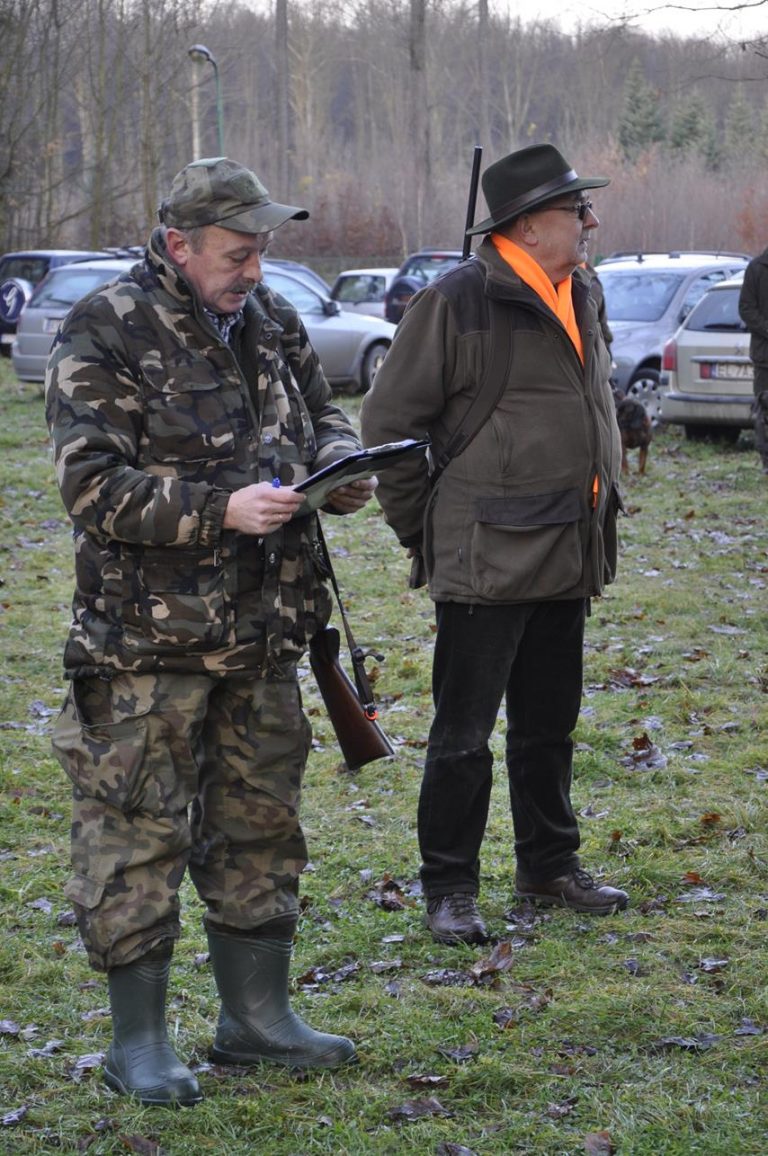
(526, 178)
(218, 191)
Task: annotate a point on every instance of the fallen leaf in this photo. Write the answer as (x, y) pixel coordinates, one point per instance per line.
(710, 819)
(558, 1111)
(505, 1017)
(385, 965)
(426, 1080)
(448, 1149)
(15, 1116)
(49, 1049)
(447, 977)
(698, 1043)
(598, 1144)
(417, 1109)
(142, 1144)
(500, 960)
(748, 1028)
(710, 966)
(9, 1028)
(460, 1054)
(701, 895)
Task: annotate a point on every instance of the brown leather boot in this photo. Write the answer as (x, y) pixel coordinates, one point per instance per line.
(576, 889)
(455, 919)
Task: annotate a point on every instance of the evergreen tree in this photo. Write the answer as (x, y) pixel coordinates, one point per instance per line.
(641, 123)
(738, 128)
(687, 127)
(710, 146)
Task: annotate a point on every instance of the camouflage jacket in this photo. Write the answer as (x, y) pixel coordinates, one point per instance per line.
(155, 421)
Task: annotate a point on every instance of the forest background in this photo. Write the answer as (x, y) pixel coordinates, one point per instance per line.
(367, 111)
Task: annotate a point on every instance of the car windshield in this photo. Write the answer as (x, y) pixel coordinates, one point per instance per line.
(362, 287)
(301, 297)
(66, 286)
(717, 310)
(638, 295)
(28, 268)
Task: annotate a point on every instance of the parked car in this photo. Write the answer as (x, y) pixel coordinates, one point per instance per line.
(20, 272)
(707, 375)
(304, 273)
(647, 296)
(49, 304)
(416, 271)
(362, 290)
(351, 346)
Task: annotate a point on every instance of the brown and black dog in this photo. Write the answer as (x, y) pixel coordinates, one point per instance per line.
(635, 428)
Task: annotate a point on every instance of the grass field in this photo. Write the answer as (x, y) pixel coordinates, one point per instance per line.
(641, 1033)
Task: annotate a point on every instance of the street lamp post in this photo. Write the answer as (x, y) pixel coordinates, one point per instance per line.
(202, 55)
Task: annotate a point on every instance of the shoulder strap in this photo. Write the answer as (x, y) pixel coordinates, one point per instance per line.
(488, 395)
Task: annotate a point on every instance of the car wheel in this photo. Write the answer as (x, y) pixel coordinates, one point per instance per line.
(374, 356)
(645, 387)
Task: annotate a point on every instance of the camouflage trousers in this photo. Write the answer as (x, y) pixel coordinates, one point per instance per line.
(181, 771)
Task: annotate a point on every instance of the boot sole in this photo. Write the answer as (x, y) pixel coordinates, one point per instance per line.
(116, 1084)
(474, 940)
(555, 901)
(249, 1060)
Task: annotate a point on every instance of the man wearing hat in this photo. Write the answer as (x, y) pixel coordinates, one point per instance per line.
(514, 529)
(184, 401)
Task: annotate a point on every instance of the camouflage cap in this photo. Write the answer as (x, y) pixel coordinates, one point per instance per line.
(218, 191)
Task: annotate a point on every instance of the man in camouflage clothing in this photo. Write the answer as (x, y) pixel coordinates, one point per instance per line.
(184, 401)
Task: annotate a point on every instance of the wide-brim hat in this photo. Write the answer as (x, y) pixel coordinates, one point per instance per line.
(218, 191)
(527, 178)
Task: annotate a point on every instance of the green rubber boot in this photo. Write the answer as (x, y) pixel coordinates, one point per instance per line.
(140, 1061)
(256, 1022)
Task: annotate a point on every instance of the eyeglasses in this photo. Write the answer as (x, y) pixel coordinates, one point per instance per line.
(579, 209)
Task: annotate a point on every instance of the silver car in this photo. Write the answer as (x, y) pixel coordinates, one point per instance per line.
(363, 290)
(647, 296)
(48, 306)
(706, 371)
(350, 347)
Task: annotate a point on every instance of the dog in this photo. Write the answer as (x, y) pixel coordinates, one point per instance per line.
(635, 428)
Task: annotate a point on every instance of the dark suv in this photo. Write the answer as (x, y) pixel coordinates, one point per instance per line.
(415, 272)
(21, 271)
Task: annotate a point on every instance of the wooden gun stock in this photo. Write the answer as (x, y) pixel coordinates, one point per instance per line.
(360, 737)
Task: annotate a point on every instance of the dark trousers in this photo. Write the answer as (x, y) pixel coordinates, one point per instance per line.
(533, 654)
(760, 412)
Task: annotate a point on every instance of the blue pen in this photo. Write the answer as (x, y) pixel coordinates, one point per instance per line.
(275, 483)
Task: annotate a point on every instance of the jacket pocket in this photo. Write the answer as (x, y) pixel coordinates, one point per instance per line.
(175, 599)
(103, 755)
(526, 548)
(186, 418)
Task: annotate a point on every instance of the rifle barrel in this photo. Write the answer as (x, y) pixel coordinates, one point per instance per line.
(472, 201)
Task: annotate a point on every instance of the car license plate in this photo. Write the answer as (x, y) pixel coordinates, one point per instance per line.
(6, 338)
(731, 371)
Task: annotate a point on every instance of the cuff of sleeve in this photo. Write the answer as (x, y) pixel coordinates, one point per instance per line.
(212, 519)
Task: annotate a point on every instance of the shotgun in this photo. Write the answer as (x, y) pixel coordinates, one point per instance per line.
(359, 735)
(472, 200)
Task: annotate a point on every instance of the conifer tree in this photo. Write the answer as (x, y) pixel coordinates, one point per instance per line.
(641, 123)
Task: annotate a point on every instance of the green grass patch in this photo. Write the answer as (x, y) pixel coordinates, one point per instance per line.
(649, 1026)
